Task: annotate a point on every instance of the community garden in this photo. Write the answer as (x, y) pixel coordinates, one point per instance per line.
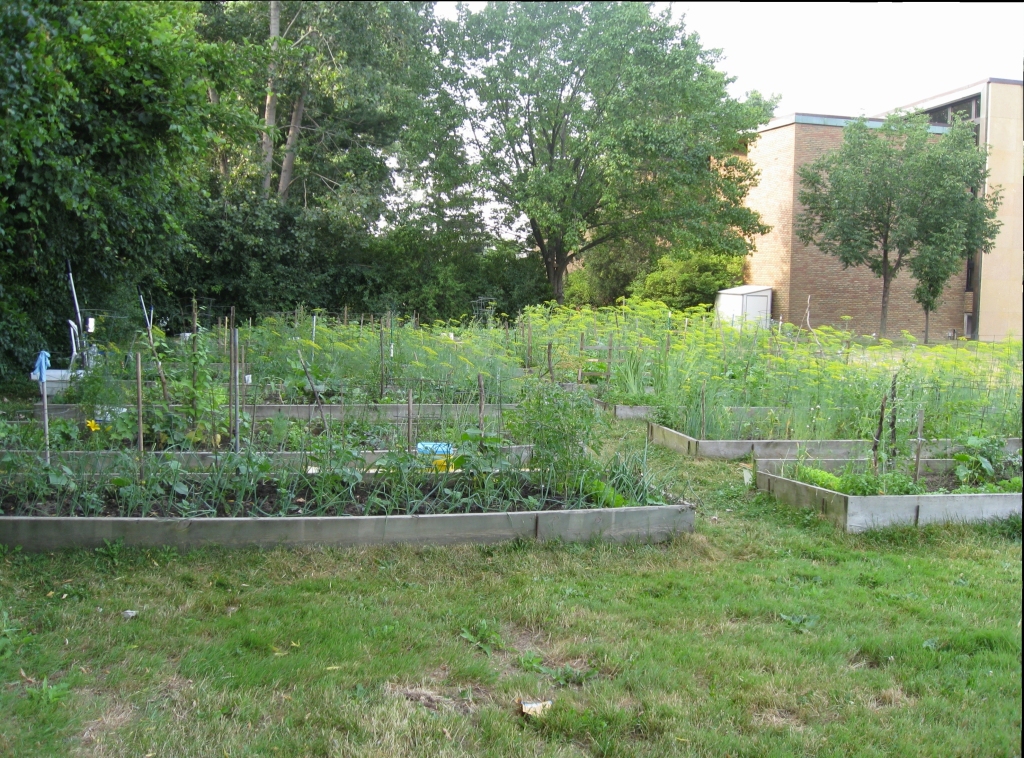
(736, 635)
(320, 415)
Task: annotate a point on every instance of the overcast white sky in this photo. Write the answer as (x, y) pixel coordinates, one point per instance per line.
(852, 60)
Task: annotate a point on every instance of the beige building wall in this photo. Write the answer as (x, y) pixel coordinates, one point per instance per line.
(1001, 284)
(773, 154)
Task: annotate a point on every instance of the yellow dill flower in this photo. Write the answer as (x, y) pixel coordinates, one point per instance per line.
(93, 426)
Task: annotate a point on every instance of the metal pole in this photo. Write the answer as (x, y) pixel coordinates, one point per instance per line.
(78, 317)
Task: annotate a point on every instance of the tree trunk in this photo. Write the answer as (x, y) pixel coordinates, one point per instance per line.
(222, 156)
(926, 314)
(291, 146)
(886, 286)
(270, 115)
(558, 282)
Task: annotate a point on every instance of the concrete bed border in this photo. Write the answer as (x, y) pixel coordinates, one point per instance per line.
(655, 523)
(855, 513)
(626, 411)
(792, 449)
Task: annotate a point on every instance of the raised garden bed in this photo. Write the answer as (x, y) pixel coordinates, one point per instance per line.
(102, 460)
(791, 449)
(626, 411)
(383, 411)
(858, 513)
(644, 524)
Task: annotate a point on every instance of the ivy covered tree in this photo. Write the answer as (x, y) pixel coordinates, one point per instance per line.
(893, 196)
(594, 122)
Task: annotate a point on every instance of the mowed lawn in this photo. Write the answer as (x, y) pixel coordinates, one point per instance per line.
(767, 632)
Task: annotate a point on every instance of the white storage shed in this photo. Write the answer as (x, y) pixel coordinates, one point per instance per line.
(748, 303)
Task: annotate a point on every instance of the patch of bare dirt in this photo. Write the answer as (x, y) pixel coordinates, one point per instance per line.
(779, 718)
(894, 697)
(434, 700)
(114, 717)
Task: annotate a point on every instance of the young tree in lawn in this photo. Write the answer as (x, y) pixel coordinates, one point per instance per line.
(602, 121)
(892, 194)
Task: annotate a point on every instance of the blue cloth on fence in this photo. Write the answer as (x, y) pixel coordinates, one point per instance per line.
(42, 364)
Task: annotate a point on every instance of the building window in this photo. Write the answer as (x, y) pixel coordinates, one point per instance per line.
(968, 325)
(969, 109)
(970, 275)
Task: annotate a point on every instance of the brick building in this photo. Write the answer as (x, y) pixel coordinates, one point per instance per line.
(983, 301)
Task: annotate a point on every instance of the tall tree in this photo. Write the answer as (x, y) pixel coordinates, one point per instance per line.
(594, 122)
(893, 194)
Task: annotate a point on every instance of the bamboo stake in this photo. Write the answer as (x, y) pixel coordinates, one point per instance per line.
(920, 442)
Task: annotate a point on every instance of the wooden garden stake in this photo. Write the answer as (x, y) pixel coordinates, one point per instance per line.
(382, 367)
(312, 386)
(529, 344)
(582, 334)
(551, 369)
(611, 349)
(152, 346)
(230, 334)
(920, 442)
(703, 389)
(195, 367)
(408, 421)
(892, 417)
(344, 318)
(878, 432)
(237, 431)
(138, 401)
(46, 415)
(480, 390)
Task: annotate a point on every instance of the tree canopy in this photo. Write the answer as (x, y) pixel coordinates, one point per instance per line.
(594, 122)
(104, 113)
(265, 154)
(894, 196)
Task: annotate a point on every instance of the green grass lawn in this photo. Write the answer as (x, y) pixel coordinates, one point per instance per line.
(766, 632)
